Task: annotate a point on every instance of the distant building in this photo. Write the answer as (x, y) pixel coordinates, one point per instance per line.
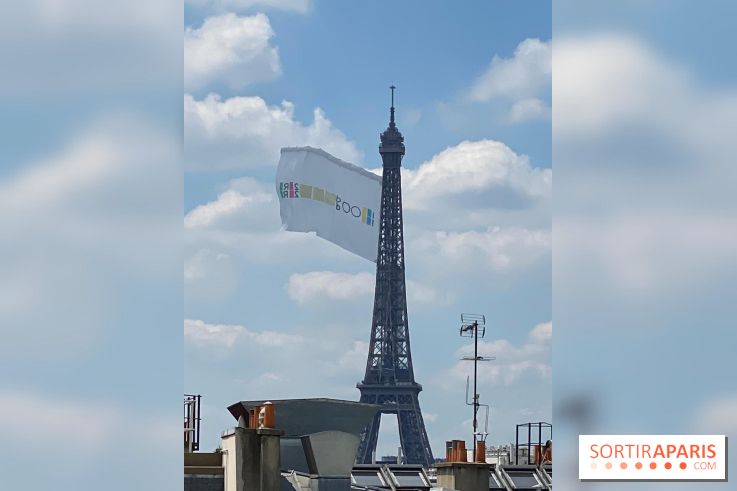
(504, 454)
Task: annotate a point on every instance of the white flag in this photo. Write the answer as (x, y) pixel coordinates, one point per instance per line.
(337, 200)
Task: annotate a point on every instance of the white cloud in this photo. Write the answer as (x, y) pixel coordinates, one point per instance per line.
(473, 166)
(410, 117)
(273, 247)
(230, 49)
(92, 166)
(244, 132)
(528, 110)
(421, 293)
(210, 276)
(89, 237)
(198, 332)
(451, 200)
(88, 161)
(314, 286)
(519, 77)
(355, 358)
(511, 362)
(130, 38)
(499, 249)
(300, 6)
(608, 79)
(612, 82)
(88, 15)
(227, 203)
(30, 415)
(652, 152)
(307, 287)
(201, 333)
(241, 206)
(194, 270)
(92, 427)
(542, 334)
(649, 252)
(244, 223)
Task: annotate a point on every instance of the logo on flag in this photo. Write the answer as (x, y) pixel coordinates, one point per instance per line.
(293, 189)
(335, 199)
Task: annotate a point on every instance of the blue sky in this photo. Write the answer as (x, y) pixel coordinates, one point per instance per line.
(342, 57)
(644, 222)
(90, 194)
(482, 246)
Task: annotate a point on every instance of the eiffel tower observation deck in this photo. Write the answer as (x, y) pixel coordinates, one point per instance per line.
(389, 380)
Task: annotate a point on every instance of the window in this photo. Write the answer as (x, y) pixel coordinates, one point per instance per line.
(410, 479)
(367, 478)
(525, 480)
(494, 482)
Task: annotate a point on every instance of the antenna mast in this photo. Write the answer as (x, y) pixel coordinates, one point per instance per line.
(474, 325)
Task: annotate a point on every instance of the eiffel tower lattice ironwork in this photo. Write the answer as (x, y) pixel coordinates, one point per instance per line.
(389, 380)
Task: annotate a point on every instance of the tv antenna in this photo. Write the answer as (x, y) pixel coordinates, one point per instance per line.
(474, 325)
(485, 433)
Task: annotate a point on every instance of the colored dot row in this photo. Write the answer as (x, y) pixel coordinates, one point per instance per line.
(638, 465)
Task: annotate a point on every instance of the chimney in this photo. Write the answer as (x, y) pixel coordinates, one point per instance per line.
(460, 474)
(463, 476)
(253, 449)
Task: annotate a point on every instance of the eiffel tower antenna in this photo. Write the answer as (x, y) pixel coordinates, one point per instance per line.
(391, 117)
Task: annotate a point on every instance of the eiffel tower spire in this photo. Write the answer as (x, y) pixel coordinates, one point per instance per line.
(389, 379)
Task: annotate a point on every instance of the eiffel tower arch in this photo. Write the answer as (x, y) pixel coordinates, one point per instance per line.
(389, 379)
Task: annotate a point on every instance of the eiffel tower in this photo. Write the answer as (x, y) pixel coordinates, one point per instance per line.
(389, 380)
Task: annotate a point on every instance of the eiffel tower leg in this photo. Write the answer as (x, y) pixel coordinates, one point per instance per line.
(415, 443)
(369, 439)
